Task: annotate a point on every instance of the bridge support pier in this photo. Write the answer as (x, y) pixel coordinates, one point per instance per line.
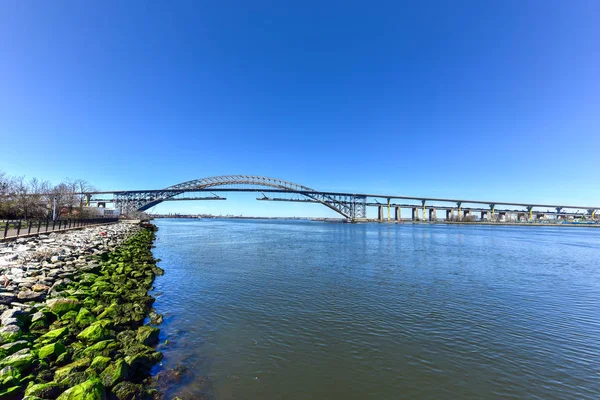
(380, 213)
(415, 214)
(448, 215)
(484, 214)
(432, 214)
(398, 214)
(467, 213)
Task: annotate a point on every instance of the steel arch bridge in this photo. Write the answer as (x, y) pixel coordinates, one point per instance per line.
(349, 206)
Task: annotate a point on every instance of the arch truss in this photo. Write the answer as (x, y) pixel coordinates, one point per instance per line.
(351, 207)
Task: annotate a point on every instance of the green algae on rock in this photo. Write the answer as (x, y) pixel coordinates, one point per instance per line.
(61, 306)
(88, 341)
(52, 350)
(89, 390)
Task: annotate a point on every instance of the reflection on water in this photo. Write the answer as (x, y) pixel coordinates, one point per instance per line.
(297, 310)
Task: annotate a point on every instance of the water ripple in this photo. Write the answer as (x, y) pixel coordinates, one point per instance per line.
(296, 310)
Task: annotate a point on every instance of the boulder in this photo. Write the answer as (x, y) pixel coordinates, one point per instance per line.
(115, 373)
(76, 366)
(10, 373)
(100, 363)
(44, 390)
(7, 297)
(147, 335)
(18, 361)
(105, 348)
(128, 391)
(14, 313)
(84, 317)
(30, 295)
(38, 287)
(89, 390)
(10, 348)
(10, 333)
(52, 351)
(61, 306)
(96, 332)
(11, 392)
(53, 335)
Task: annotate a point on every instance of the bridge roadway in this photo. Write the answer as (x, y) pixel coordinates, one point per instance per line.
(425, 206)
(382, 196)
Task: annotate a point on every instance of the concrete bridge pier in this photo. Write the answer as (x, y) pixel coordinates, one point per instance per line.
(448, 215)
(484, 214)
(432, 214)
(398, 214)
(380, 213)
(530, 211)
(502, 216)
(467, 213)
(415, 213)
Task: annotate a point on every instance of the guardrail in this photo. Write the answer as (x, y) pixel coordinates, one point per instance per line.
(18, 228)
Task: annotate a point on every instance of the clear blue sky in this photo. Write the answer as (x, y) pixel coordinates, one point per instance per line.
(465, 99)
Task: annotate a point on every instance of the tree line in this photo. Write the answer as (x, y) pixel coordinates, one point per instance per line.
(34, 198)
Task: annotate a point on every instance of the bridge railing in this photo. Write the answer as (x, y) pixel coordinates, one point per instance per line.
(10, 229)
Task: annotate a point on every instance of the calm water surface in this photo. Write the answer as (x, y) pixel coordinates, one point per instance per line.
(309, 310)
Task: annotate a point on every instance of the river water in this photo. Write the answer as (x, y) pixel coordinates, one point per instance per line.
(312, 310)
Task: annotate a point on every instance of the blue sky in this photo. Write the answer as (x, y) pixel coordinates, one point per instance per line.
(467, 99)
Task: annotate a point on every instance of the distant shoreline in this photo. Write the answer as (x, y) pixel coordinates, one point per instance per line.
(340, 220)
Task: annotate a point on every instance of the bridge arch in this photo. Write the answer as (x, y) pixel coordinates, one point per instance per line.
(350, 207)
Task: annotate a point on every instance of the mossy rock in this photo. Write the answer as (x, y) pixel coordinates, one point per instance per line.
(81, 293)
(52, 350)
(9, 371)
(44, 390)
(85, 317)
(76, 366)
(100, 286)
(9, 376)
(147, 335)
(89, 390)
(87, 278)
(110, 312)
(64, 358)
(115, 373)
(89, 303)
(100, 363)
(103, 348)
(10, 392)
(53, 335)
(69, 316)
(128, 391)
(77, 378)
(10, 348)
(39, 326)
(137, 348)
(61, 306)
(19, 361)
(10, 333)
(96, 332)
(141, 364)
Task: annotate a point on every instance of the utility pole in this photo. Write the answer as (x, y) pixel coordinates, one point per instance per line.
(54, 210)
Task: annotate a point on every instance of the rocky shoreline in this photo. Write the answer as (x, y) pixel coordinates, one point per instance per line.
(72, 309)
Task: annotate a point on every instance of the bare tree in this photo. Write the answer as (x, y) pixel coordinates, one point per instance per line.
(37, 199)
(6, 198)
(65, 197)
(82, 186)
(34, 198)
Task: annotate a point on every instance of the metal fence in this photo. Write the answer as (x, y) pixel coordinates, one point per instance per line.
(16, 228)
